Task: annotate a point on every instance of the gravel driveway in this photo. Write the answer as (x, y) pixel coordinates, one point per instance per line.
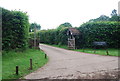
(66, 64)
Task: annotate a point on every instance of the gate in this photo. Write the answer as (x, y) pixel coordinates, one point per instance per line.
(71, 43)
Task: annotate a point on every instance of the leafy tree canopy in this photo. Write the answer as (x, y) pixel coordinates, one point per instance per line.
(114, 12)
(101, 18)
(114, 16)
(33, 25)
(64, 25)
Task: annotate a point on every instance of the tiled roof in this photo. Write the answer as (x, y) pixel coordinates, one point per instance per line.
(74, 31)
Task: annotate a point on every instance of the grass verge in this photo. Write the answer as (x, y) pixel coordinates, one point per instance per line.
(111, 51)
(22, 59)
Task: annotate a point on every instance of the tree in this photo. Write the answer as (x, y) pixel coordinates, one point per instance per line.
(114, 12)
(114, 16)
(101, 18)
(32, 25)
(64, 25)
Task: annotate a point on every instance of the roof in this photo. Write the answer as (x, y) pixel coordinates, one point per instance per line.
(74, 31)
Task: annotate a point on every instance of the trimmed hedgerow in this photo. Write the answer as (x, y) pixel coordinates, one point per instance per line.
(100, 31)
(15, 29)
(54, 36)
(89, 32)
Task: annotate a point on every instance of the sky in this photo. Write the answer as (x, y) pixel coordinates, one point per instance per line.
(51, 13)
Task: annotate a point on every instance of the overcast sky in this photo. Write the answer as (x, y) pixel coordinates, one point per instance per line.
(51, 13)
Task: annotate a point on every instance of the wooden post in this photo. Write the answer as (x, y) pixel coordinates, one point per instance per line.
(45, 56)
(107, 52)
(17, 70)
(68, 43)
(30, 64)
(94, 51)
(83, 49)
(74, 43)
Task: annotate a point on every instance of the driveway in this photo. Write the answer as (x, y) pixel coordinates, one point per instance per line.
(67, 64)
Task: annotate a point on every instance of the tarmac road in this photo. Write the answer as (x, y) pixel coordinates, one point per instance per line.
(67, 64)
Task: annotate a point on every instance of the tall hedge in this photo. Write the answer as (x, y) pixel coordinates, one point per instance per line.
(90, 32)
(15, 29)
(100, 31)
(54, 36)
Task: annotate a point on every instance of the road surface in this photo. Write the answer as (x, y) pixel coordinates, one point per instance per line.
(67, 64)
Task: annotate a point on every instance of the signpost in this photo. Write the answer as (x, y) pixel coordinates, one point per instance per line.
(100, 44)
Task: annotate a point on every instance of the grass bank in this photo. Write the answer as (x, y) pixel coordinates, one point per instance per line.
(22, 59)
(111, 51)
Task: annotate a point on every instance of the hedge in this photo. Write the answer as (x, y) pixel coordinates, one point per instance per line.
(54, 36)
(100, 31)
(15, 29)
(107, 31)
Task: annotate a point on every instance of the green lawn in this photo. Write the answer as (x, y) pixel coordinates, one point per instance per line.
(11, 59)
(111, 51)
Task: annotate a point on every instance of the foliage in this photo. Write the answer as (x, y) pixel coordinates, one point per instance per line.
(100, 31)
(107, 31)
(31, 35)
(101, 18)
(64, 25)
(53, 36)
(15, 28)
(114, 17)
(33, 25)
(114, 12)
(102, 28)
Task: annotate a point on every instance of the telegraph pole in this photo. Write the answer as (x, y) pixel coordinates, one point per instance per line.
(39, 41)
(34, 36)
